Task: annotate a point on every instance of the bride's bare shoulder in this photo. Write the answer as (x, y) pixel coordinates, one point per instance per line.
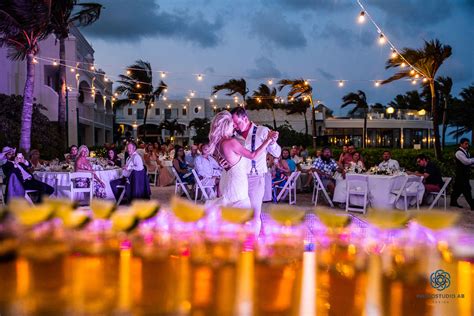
(229, 142)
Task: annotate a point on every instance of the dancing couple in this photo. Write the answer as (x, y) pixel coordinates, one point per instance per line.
(240, 147)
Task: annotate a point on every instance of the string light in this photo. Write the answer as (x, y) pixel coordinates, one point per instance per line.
(306, 82)
(129, 72)
(138, 85)
(341, 83)
(192, 93)
(106, 79)
(184, 107)
(163, 74)
(92, 68)
(270, 82)
(73, 70)
(55, 63)
(417, 76)
(169, 106)
(215, 96)
(403, 65)
(165, 98)
(259, 100)
(425, 80)
(211, 100)
(394, 54)
(228, 106)
(413, 82)
(412, 72)
(199, 77)
(377, 83)
(188, 100)
(382, 39)
(361, 17)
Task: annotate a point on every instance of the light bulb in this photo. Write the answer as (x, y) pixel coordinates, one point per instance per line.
(425, 79)
(169, 106)
(116, 94)
(162, 74)
(129, 72)
(377, 83)
(382, 39)
(394, 54)
(188, 99)
(412, 72)
(306, 82)
(55, 63)
(138, 85)
(92, 68)
(165, 98)
(259, 100)
(417, 76)
(361, 17)
(199, 77)
(165, 90)
(215, 96)
(270, 82)
(192, 93)
(341, 83)
(73, 70)
(403, 65)
(413, 82)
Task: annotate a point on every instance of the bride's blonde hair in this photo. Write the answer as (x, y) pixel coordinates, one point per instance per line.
(220, 125)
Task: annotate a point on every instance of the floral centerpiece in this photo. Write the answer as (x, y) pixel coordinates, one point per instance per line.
(383, 171)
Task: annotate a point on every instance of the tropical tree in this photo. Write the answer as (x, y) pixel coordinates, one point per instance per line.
(233, 86)
(426, 62)
(463, 110)
(202, 126)
(358, 99)
(299, 106)
(173, 127)
(23, 24)
(64, 14)
(411, 100)
(301, 89)
(137, 86)
(445, 86)
(264, 98)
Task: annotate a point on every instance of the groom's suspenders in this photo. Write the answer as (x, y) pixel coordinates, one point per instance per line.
(254, 163)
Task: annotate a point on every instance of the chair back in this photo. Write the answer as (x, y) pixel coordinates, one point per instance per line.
(413, 184)
(447, 181)
(357, 181)
(293, 178)
(176, 175)
(81, 175)
(196, 177)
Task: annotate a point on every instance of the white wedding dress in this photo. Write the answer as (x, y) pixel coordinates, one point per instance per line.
(233, 185)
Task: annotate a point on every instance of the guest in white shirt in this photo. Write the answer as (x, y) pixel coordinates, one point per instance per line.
(134, 163)
(207, 168)
(294, 155)
(388, 162)
(191, 156)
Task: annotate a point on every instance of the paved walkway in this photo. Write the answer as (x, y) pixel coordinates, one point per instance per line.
(304, 200)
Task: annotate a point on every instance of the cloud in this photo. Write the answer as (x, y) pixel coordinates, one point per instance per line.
(345, 36)
(274, 28)
(326, 75)
(265, 68)
(303, 5)
(123, 20)
(410, 15)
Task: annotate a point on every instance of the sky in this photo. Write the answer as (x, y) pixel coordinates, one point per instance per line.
(259, 40)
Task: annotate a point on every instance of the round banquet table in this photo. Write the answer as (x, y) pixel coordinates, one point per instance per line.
(61, 183)
(379, 192)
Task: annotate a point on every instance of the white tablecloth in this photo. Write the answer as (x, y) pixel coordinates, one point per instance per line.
(62, 185)
(379, 192)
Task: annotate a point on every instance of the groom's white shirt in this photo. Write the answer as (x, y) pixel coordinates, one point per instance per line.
(260, 161)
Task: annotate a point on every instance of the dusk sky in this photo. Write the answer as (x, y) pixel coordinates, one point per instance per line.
(318, 40)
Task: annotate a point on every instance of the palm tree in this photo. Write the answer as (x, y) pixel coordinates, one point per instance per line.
(300, 88)
(463, 113)
(445, 85)
(264, 98)
(427, 62)
(233, 86)
(359, 99)
(23, 24)
(173, 126)
(410, 100)
(301, 107)
(137, 86)
(64, 14)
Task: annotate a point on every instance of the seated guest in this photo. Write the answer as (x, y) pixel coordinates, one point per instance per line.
(287, 162)
(303, 152)
(431, 174)
(191, 156)
(18, 166)
(207, 168)
(388, 162)
(71, 157)
(341, 156)
(294, 155)
(171, 151)
(280, 172)
(326, 166)
(151, 159)
(182, 168)
(134, 163)
(35, 161)
(82, 164)
(141, 149)
(113, 159)
(356, 162)
(347, 158)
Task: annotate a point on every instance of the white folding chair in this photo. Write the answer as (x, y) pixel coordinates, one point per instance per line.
(202, 187)
(319, 186)
(288, 189)
(179, 184)
(121, 186)
(88, 190)
(357, 185)
(155, 174)
(408, 190)
(440, 193)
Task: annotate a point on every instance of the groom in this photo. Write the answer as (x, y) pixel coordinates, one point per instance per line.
(252, 136)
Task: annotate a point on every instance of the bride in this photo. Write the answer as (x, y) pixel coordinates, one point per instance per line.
(228, 152)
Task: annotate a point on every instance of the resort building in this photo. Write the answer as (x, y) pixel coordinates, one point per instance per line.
(400, 129)
(90, 116)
